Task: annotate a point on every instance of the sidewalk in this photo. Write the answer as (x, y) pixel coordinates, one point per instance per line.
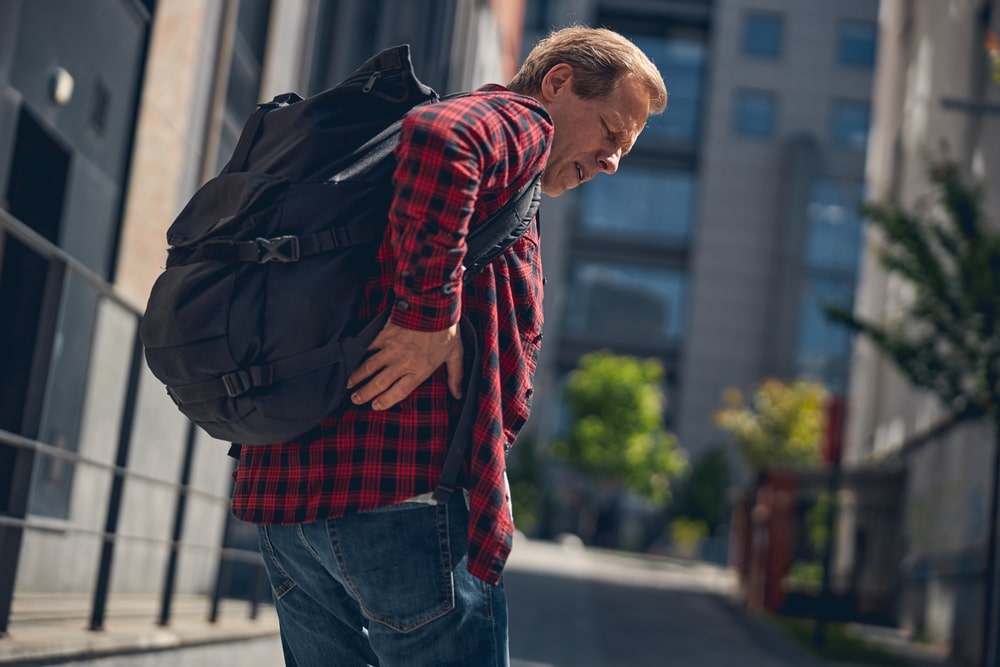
(889, 640)
(46, 628)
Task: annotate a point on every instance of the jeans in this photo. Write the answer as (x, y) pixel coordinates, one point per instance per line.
(384, 588)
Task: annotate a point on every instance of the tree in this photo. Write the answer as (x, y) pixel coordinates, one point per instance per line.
(617, 432)
(781, 426)
(946, 337)
(703, 494)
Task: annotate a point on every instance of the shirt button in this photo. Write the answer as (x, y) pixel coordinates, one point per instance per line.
(403, 305)
(529, 393)
(448, 288)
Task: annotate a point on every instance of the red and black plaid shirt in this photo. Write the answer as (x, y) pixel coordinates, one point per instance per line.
(459, 161)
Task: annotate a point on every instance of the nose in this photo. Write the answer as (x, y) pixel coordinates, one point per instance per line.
(609, 161)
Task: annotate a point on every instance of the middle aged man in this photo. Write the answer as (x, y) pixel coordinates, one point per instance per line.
(366, 569)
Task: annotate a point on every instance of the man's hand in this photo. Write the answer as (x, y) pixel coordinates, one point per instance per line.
(403, 359)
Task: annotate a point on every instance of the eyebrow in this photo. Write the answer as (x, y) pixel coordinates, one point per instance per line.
(620, 137)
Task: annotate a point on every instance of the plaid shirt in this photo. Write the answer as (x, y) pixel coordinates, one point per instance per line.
(458, 162)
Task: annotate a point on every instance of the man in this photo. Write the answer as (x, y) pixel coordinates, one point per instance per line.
(365, 568)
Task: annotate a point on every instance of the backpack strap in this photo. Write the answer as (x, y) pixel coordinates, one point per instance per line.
(277, 249)
(501, 230)
(490, 239)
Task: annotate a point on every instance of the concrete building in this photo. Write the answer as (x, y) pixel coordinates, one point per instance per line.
(734, 217)
(933, 87)
(111, 114)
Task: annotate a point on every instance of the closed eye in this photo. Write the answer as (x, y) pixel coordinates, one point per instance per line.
(620, 138)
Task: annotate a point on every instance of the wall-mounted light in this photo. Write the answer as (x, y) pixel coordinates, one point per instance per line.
(60, 85)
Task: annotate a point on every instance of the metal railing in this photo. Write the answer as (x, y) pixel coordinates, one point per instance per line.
(27, 450)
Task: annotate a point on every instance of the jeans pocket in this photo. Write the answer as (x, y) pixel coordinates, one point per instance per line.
(281, 583)
(397, 562)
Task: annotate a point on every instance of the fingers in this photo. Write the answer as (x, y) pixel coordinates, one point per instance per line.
(402, 359)
(385, 399)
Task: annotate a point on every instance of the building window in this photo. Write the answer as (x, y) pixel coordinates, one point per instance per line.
(620, 303)
(641, 203)
(849, 120)
(680, 57)
(245, 69)
(824, 347)
(754, 113)
(762, 34)
(835, 226)
(833, 248)
(856, 43)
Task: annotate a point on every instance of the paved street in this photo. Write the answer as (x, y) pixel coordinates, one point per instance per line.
(575, 608)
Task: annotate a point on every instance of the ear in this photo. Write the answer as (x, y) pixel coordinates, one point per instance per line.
(556, 81)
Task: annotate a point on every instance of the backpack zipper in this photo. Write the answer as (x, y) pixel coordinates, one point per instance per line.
(371, 81)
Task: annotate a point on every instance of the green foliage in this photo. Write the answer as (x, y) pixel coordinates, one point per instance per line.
(805, 577)
(817, 520)
(524, 474)
(840, 646)
(618, 433)
(703, 494)
(945, 338)
(782, 425)
(688, 532)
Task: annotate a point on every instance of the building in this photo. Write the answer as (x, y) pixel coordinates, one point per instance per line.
(933, 87)
(736, 215)
(112, 112)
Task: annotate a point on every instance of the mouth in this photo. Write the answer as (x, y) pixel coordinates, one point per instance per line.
(579, 172)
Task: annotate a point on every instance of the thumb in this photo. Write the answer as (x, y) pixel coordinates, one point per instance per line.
(453, 368)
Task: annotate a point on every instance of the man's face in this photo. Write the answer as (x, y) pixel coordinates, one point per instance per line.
(590, 136)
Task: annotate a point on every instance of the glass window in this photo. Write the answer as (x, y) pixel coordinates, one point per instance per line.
(824, 346)
(618, 302)
(681, 61)
(850, 121)
(856, 43)
(762, 34)
(835, 225)
(754, 113)
(641, 202)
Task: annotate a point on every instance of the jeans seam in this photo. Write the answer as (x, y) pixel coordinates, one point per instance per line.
(289, 583)
(306, 544)
(349, 584)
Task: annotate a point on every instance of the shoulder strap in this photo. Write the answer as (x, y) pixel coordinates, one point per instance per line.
(503, 228)
(491, 238)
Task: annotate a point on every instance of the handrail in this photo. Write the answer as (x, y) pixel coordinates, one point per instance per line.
(48, 250)
(8, 438)
(28, 449)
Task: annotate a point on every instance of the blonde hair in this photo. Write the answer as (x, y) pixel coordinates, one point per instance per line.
(600, 58)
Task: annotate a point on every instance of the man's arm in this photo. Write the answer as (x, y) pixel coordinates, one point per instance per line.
(436, 183)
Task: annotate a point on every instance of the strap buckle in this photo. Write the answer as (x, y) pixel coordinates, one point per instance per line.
(237, 383)
(281, 249)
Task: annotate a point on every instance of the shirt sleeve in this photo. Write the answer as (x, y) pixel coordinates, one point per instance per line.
(448, 154)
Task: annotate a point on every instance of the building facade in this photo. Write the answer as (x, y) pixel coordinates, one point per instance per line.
(734, 218)
(111, 114)
(933, 92)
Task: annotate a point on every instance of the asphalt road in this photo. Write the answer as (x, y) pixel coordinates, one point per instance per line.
(571, 607)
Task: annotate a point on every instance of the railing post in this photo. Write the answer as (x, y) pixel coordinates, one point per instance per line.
(117, 488)
(10, 536)
(171, 571)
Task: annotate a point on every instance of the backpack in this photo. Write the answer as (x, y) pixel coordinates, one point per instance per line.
(252, 324)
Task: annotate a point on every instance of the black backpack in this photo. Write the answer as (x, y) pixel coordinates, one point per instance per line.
(252, 325)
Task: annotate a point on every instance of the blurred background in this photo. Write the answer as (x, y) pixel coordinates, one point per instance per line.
(769, 341)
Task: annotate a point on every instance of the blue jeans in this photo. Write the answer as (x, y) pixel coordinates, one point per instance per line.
(385, 588)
